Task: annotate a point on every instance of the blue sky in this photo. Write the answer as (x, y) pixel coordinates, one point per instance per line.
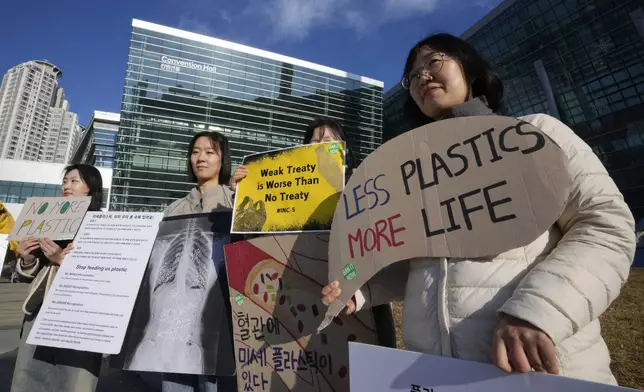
(89, 40)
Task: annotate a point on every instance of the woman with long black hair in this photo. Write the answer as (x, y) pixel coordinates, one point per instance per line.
(209, 168)
(39, 368)
(536, 307)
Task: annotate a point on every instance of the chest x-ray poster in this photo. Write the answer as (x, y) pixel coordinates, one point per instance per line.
(181, 321)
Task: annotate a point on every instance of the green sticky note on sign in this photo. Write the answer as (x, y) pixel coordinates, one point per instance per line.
(349, 271)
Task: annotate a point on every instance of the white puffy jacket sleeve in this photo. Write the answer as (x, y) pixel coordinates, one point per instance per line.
(579, 279)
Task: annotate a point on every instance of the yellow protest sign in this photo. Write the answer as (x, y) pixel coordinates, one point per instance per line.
(290, 190)
(6, 220)
(6, 225)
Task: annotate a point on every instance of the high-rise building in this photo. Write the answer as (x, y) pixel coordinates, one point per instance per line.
(26, 94)
(581, 61)
(97, 144)
(180, 83)
(61, 133)
(35, 121)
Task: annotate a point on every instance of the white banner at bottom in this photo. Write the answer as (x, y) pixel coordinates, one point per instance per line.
(374, 368)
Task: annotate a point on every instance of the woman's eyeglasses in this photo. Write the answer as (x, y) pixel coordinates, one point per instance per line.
(431, 67)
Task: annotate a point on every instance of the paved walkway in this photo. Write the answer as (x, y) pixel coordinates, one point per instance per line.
(12, 295)
(11, 298)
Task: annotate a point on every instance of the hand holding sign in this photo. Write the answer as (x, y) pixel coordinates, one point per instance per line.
(520, 347)
(53, 252)
(27, 247)
(329, 169)
(460, 188)
(240, 173)
(331, 293)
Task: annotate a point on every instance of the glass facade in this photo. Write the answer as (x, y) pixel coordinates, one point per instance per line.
(18, 192)
(394, 123)
(582, 62)
(105, 147)
(179, 83)
(97, 144)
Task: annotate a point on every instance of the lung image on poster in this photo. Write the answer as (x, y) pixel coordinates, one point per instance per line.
(181, 321)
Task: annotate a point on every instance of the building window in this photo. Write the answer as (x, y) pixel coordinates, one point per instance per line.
(18, 192)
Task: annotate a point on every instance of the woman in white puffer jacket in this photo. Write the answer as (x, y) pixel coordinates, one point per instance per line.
(530, 308)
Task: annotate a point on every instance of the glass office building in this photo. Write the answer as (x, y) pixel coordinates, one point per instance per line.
(179, 83)
(17, 192)
(97, 144)
(582, 62)
(393, 120)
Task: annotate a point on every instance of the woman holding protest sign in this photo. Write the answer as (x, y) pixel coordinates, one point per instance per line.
(39, 368)
(209, 166)
(323, 130)
(531, 308)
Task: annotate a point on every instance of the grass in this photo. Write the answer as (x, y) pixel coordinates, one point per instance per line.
(622, 328)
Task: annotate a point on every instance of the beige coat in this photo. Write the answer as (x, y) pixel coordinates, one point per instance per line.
(562, 282)
(218, 198)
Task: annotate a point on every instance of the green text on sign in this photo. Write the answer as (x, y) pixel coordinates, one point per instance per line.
(333, 148)
(349, 271)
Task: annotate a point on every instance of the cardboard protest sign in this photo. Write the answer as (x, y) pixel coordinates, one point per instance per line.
(463, 187)
(181, 319)
(387, 370)
(57, 218)
(275, 284)
(290, 190)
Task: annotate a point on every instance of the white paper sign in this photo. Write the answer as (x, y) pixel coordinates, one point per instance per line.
(90, 302)
(374, 368)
